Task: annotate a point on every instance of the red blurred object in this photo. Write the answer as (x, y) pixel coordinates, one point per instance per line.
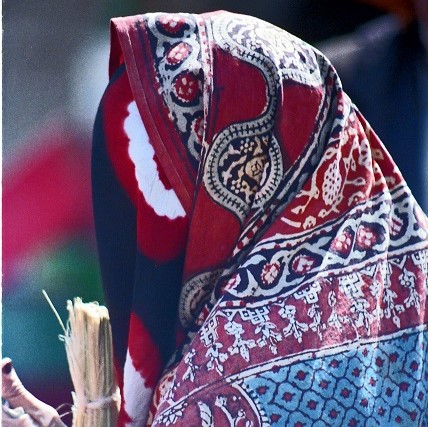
(46, 194)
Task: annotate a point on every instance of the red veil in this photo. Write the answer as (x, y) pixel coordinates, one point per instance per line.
(303, 255)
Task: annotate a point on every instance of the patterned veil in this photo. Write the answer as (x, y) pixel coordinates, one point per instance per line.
(264, 262)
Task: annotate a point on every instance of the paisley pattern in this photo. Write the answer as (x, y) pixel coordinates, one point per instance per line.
(245, 162)
(280, 53)
(292, 282)
(244, 172)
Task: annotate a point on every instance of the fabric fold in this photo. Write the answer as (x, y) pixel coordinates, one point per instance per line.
(303, 275)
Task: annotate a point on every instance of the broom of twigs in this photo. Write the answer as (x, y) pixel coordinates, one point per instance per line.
(89, 348)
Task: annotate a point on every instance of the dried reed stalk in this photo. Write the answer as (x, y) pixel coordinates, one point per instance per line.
(89, 349)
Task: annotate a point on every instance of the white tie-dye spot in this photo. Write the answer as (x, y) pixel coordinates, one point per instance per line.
(164, 202)
(136, 395)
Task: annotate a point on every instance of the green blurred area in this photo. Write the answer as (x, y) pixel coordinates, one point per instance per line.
(31, 330)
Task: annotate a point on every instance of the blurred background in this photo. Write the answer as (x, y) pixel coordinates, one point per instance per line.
(55, 56)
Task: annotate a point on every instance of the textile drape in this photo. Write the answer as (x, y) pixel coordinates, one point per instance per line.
(263, 259)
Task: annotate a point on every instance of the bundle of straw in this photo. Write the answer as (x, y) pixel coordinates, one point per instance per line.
(89, 349)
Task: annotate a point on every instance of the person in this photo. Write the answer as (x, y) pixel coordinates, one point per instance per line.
(263, 259)
(383, 66)
(19, 407)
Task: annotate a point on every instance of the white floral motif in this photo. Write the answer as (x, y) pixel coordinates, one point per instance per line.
(209, 336)
(216, 358)
(335, 319)
(360, 308)
(268, 335)
(408, 279)
(259, 317)
(208, 332)
(191, 367)
(314, 313)
(240, 345)
(375, 287)
(294, 327)
(310, 294)
(391, 310)
(351, 286)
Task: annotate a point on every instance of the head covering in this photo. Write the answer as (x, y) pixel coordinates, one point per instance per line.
(302, 271)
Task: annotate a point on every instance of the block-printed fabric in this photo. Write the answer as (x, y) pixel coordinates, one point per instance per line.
(264, 261)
